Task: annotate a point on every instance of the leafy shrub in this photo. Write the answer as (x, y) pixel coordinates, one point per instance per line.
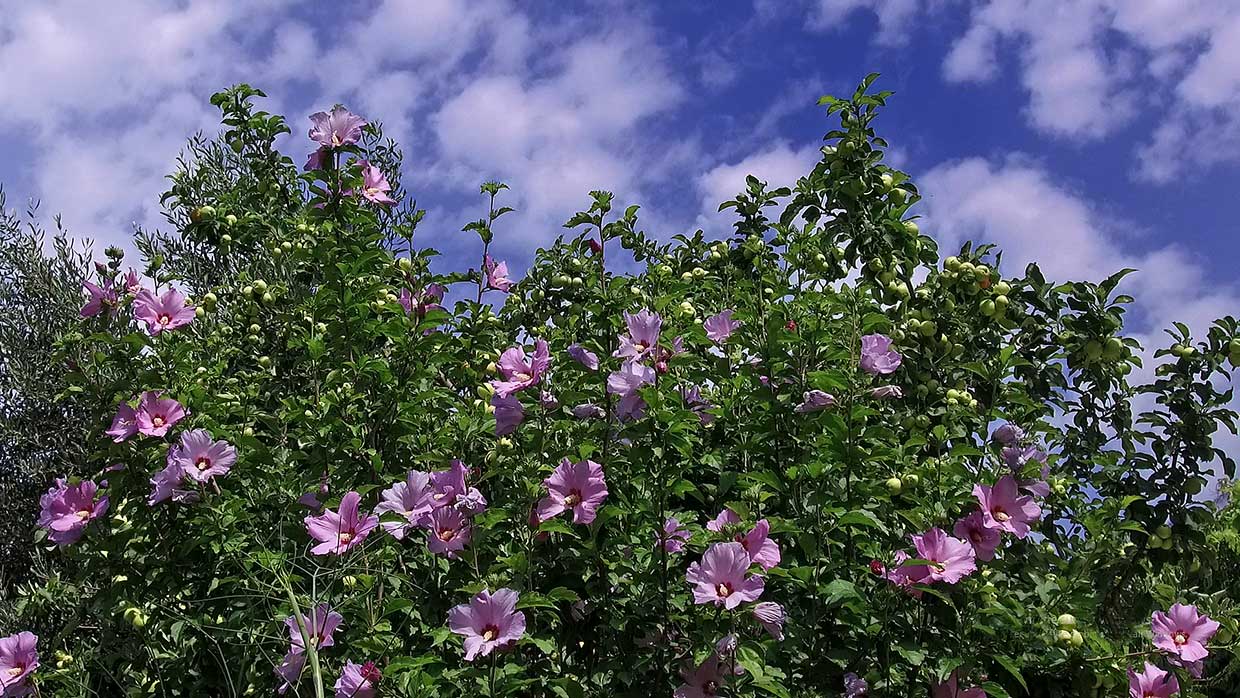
(811, 459)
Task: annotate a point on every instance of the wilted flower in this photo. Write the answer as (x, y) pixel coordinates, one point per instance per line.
(509, 413)
(421, 301)
(588, 411)
(497, 274)
(583, 356)
(984, 540)
(19, 657)
(338, 533)
(487, 622)
(643, 337)
(133, 284)
(66, 510)
(1183, 632)
(725, 518)
(721, 577)
(814, 400)
(673, 536)
(877, 356)
(1008, 434)
(625, 383)
(578, 487)
(771, 616)
(172, 482)
(449, 532)
(156, 415)
(855, 686)
(1004, 508)
(1016, 457)
(1152, 683)
(1037, 486)
(949, 689)
(450, 488)
(763, 551)
(166, 312)
(697, 404)
(100, 299)
(358, 680)
(519, 371)
(720, 327)
(702, 682)
(124, 424)
(203, 458)
(409, 499)
(884, 392)
(547, 400)
(375, 186)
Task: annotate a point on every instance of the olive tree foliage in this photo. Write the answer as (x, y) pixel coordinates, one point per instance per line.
(41, 435)
(303, 359)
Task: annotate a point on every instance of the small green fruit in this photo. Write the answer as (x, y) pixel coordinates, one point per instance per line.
(230, 219)
(1163, 532)
(1077, 638)
(268, 298)
(1065, 636)
(1093, 350)
(1066, 620)
(894, 485)
(264, 361)
(911, 228)
(260, 286)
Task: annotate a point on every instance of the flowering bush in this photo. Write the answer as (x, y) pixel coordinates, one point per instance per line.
(810, 459)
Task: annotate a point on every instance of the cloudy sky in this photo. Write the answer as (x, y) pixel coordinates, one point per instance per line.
(1089, 134)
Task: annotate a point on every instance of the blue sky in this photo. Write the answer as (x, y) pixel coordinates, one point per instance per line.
(1086, 134)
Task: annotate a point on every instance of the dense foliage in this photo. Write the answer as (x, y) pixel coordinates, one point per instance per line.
(811, 459)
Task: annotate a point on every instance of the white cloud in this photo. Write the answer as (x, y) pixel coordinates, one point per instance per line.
(556, 136)
(893, 16)
(1074, 85)
(1032, 217)
(1091, 67)
(778, 165)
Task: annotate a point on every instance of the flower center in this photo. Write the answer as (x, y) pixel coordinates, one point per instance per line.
(976, 537)
(84, 514)
(573, 498)
(640, 347)
(523, 377)
(346, 537)
(165, 318)
(203, 463)
(157, 421)
(17, 670)
(724, 590)
(446, 534)
(1180, 638)
(489, 633)
(336, 142)
(1000, 515)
